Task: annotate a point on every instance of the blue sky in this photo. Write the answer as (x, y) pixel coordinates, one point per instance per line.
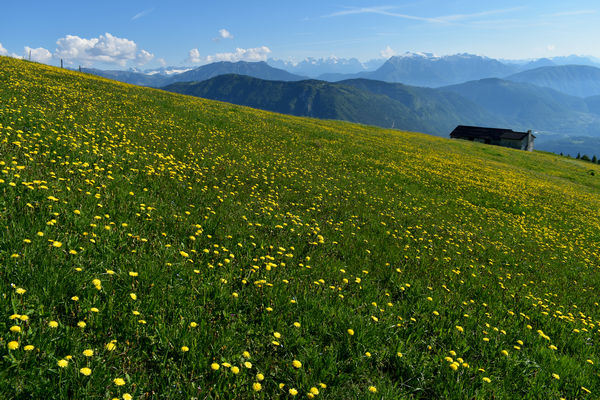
(129, 33)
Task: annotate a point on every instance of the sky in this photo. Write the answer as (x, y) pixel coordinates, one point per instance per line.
(148, 34)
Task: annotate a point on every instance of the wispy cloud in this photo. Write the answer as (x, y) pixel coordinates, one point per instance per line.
(389, 11)
(142, 14)
(572, 13)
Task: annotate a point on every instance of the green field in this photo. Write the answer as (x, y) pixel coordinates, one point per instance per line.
(153, 238)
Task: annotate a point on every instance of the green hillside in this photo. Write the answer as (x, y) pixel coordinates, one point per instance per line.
(360, 100)
(154, 245)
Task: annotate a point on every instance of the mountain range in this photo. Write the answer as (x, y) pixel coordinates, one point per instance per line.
(555, 116)
(560, 102)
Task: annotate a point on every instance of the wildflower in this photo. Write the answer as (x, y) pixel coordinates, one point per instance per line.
(13, 345)
(235, 370)
(62, 363)
(215, 366)
(504, 353)
(132, 273)
(248, 364)
(20, 291)
(256, 386)
(85, 371)
(351, 332)
(110, 346)
(260, 377)
(460, 328)
(193, 324)
(486, 379)
(555, 376)
(81, 324)
(314, 390)
(297, 324)
(56, 244)
(75, 298)
(296, 364)
(133, 296)
(88, 352)
(277, 335)
(119, 381)
(293, 392)
(15, 328)
(372, 389)
(245, 354)
(185, 348)
(127, 396)
(29, 347)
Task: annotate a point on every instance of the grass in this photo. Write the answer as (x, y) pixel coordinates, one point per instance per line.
(190, 234)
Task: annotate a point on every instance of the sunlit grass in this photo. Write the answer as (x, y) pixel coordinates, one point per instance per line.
(159, 246)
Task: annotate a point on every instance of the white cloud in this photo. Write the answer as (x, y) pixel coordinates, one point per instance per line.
(40, 54)
(105, 49)
(142, 14)
(3, 51)
(225, 34)
(254, 54)
(143, 57)
(387, 52)
(551, 47)
(162, 62)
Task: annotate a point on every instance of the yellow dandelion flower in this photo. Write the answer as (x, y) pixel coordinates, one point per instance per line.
(248, 364)
(133, 296)
(13, 345)
(372, 389)
(314, 390)
(351, 332)
(555, 376)
(53, 324)
(460, 328)
(62, 363)
(504, 353)
(20, 291)
(88, 352)
(127, 396)
(296, 364)
(119, 381)
(110, 346)
(81, 324)
(256, 387)
(297, 324)
(293, 392)
(277, 335)
(193, 324)
(245, 354)
(215, 366)
(235, 370)
(15, 328)
(75, 298)
(29, 347)
(56, 244)
(185, 348)
(85, 371)
(260, 377)
(486, 379)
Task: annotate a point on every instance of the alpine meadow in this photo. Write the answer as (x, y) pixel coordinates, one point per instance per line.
(160, 246)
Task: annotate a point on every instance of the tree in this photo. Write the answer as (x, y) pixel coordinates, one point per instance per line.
(585, 157)
(594, 159)
(578, 156)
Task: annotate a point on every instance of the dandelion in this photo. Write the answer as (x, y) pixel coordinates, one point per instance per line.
(13, 345)
(57, 244)
(248, 364)
(110, 346)
(193, 324)
(133, 296)
(88, 352)
(504, 353)
(260, 377)
(296, 364)
(256, 387)
(555, 376)
(460, 328)
(351, 332)
(20, 291)
(314, 391)
(127, 396)
(245, 354)
(81, 324)
(486, 379)
(85, 371)
(119, 381)
(15, 328)
(372, 389)
(297, 324)
(185, 348)
(62, 363)
(75, 298)
(292, 392)
(215, 366)
(235, 370)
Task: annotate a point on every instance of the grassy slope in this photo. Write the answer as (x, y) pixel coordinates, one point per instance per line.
(241, 222)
